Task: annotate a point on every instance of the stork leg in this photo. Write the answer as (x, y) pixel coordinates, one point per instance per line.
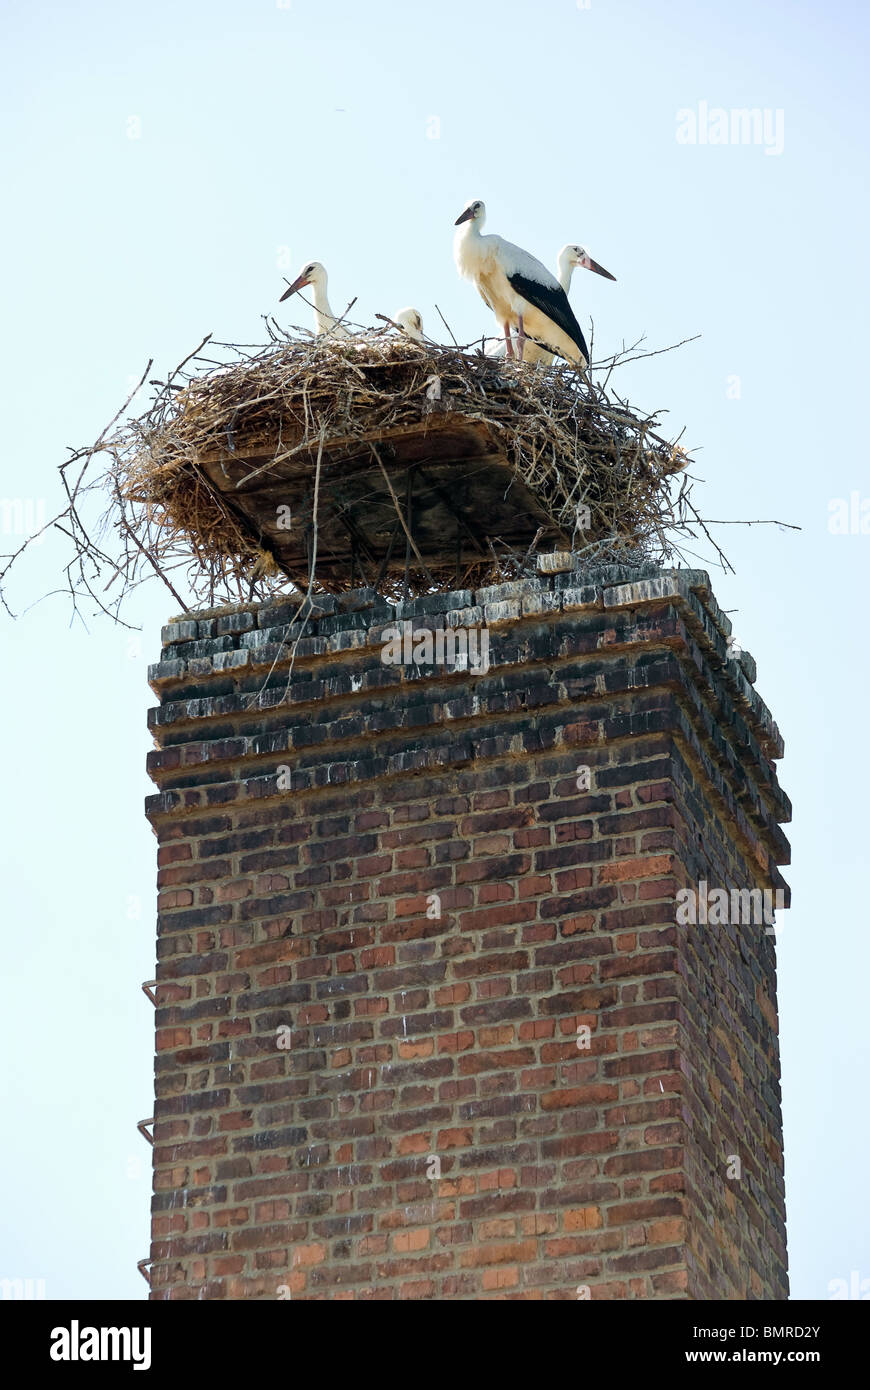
(521, 338)
(508, 345)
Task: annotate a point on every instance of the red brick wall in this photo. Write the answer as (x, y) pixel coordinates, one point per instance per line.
(413, 1042)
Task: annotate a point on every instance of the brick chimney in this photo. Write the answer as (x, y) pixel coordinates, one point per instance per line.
(439, 1015)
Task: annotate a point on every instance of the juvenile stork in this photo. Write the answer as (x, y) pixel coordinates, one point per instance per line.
(517, 288)
(325, 321)
(410, 322)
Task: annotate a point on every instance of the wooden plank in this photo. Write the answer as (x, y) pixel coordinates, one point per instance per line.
(464, 482)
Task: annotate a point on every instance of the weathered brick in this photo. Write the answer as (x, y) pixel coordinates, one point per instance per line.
(373, 984)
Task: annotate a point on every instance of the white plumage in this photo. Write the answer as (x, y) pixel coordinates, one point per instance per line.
(518, 289)
(568, 260)
(570, 256)
(410, 322)
(325, 321)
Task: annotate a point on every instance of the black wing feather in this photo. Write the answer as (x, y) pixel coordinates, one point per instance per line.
(555, 304)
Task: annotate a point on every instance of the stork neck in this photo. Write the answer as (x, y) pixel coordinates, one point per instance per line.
(323, 315)
(468, 246)
(566, 270)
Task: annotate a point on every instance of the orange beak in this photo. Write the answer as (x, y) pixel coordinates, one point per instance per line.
(297, 285)
(599, 269)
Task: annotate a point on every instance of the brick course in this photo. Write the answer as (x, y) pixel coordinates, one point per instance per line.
(373, 966)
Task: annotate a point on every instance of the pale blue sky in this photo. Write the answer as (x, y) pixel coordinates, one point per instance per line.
(308, 127)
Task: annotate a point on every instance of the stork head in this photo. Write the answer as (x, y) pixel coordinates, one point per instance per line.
(410, 322)
(312, 273)
(574, 255)
(475, 211)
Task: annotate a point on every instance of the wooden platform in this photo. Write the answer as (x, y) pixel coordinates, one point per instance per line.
(450, 480)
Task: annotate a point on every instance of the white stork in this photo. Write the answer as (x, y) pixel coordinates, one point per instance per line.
(517, 288)
(325, 321)
(410, 322)
(568, 260)
(570, 257)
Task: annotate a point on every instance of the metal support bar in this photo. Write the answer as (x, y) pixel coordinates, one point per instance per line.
(454, 512)
(386, 560)
(402, 520)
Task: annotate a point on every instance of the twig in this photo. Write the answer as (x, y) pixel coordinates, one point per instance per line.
(785, 525)
(401, 518)
(447, 326)
(306, 602)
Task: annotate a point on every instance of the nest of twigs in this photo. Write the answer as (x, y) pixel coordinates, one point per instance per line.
(603, 479)
(601, 472)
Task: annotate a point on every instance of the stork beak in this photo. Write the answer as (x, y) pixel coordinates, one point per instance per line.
(465, 216)
(599, 269)
(297, 285)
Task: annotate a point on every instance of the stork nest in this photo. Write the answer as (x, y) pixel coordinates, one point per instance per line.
(574, 447)
(581, 451)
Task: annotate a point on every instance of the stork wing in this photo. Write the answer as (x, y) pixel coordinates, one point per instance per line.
(552, 301)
